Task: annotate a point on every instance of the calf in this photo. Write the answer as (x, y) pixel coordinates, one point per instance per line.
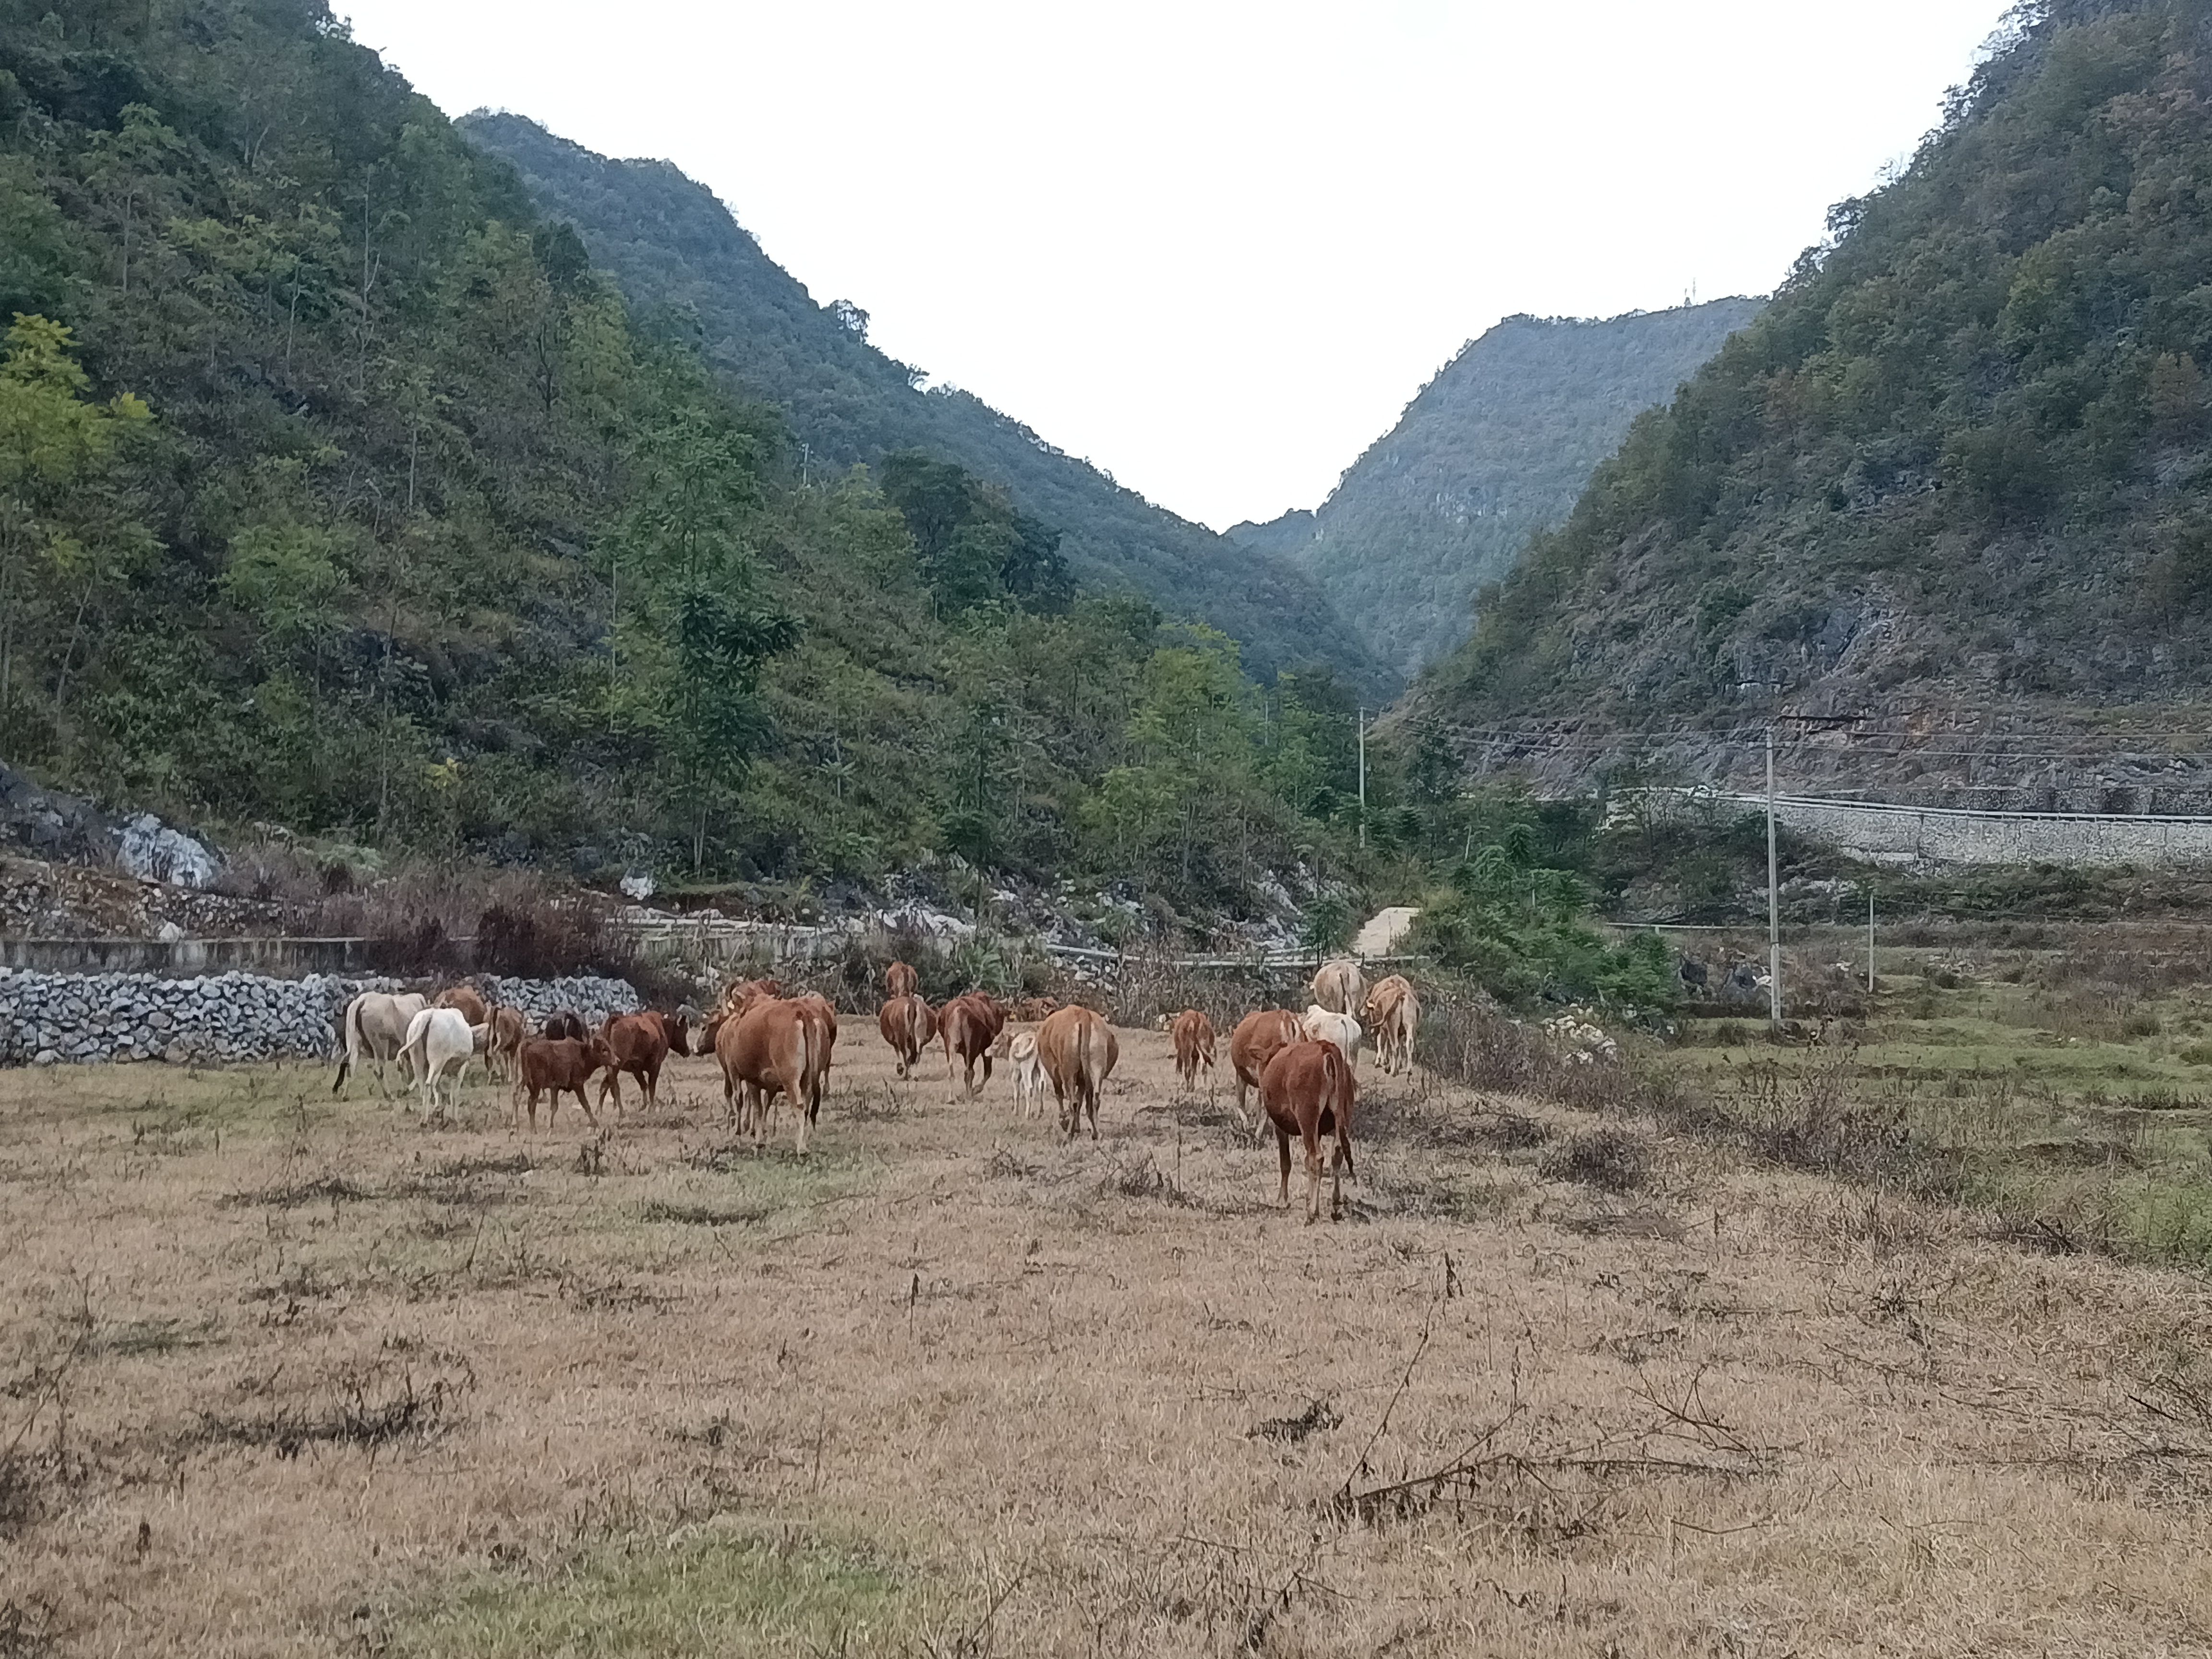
(566, 1026)
(1194, 1047)
(638, 1045)
(375, 1024)
(438, 1038)
(969, 1026)
(1255, 1041)
(900, 979)
(1308, 1091)
(1321, 1025)
(1393, 1016)
(1028, 1073)
(1337, 986)
(1078, 1050)
(770, 1049)
(908, 1027)
(563, 1065)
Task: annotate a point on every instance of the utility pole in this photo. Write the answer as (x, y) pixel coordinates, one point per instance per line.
(1774, 903)
(1362, 722)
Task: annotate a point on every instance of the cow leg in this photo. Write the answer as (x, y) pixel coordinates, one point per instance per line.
(1283, 1158)
(1091, 1104)
(584, 1100)
(1311, 1136)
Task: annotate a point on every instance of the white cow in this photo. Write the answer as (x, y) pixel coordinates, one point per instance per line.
(1029, 1075)
(438, 1038)
(375, 1024)
(1326, 1025)
(1339, 989)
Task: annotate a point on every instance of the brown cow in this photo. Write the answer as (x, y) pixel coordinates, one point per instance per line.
(1308, 1091)
(1194, 1047)
(743, 994)
(816, 1007)
(1256, 1040)
(639, 1043)
(564, 1065)
(1078, 1050)
(503, 1051)
(969, 1026)
(900, 981)
(909, 1027)
(566, 1026)
(468, 999)
(767, 1050)
(1394, 1016)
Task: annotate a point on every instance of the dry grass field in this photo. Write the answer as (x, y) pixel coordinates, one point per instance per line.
(282, 1374)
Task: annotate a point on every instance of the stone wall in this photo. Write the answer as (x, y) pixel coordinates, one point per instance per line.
(48, 1019)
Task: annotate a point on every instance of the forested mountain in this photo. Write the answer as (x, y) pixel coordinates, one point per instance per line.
(338, 491)
(1494, 449)
(691, 270)
(1962, 460)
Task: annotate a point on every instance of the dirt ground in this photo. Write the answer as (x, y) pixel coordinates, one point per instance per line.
(284, 1374)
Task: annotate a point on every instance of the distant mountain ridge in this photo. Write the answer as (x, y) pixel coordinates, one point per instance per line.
(1493, 450)
(676, 249)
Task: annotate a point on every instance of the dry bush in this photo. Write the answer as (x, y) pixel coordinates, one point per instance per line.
(1604, 1158)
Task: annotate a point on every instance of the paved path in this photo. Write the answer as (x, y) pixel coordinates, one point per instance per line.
(1383, 931)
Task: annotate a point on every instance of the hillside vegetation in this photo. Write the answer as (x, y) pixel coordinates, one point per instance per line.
(1960, 459)
(695, 273)
(339, 493)
(1494, 449)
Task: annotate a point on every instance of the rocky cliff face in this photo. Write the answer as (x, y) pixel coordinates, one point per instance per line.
(1494, 449)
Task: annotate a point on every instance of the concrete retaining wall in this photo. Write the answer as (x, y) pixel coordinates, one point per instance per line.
(48, 1019)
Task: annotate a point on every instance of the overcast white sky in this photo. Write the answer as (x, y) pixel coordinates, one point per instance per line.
(1215, 246)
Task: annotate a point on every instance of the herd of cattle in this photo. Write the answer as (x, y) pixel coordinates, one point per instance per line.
(774, 1050)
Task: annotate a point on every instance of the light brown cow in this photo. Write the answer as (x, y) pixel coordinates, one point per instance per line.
(639, 1044)
(767, 1050)
(1308, 1091)
(508, 1027)
(900, 979)
(969, 1026)
(909, 1027)
(1194, 1047)
(468, 999)
(1338, 987)
(741, 994)
(817, 1008)
(1394, 1016)
(564, 1066)
(1255, 1041)
(1078, 1050)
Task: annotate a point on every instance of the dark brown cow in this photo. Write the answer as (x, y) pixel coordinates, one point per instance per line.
(1256, 1040)
(1194, 1047)
(639, 1044)
(767, 1050)
(900, 979)
(468, 999)
(909, 1027)
(1308, 1091)
(564, 1065)
(566, 1026)
(969, 1026)
(1078, 1050)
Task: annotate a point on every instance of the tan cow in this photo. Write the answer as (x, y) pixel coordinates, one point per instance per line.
(1255, 1041)
(1028, 1073)
(1321, 1025)
(564, 1066)
(1308, 1091)
(1078, 1050)
(1394, 1016)
(769, 1050)
(900, 979)
(508, 1027)
(909, 1027)
(1194, 1047)
(1338, 987)
(969, 1026)
(468, 999)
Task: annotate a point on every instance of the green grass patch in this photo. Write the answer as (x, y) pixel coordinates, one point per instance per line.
(710, 1589)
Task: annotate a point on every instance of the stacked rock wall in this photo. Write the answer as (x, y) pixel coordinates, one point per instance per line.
(48, 1019)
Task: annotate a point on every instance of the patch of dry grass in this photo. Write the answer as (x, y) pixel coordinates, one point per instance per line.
(956, 1386)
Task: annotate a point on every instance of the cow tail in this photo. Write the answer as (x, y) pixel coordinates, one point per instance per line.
(349, 1028)
(1339, 1071)
(810, 1082)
